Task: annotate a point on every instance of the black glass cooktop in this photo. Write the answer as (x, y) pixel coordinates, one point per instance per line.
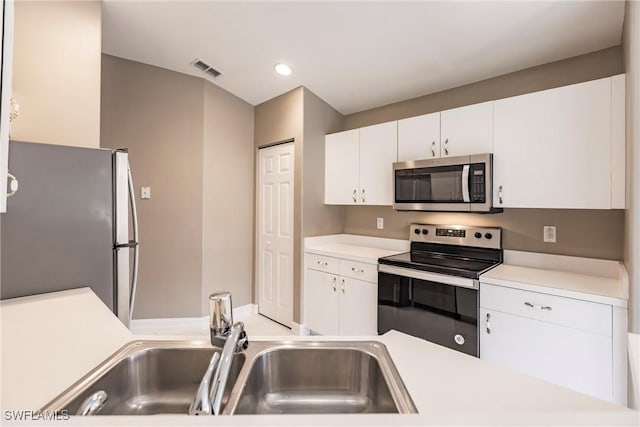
(452, 264)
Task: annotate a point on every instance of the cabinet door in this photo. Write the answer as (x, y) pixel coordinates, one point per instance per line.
(6, 54)
(341, 168)
(552, 149)
(419, 137)
(321, 302)
(467, 130)
(564, 356)
(378, 151)
(358, 307)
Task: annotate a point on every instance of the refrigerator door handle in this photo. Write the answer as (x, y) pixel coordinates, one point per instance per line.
(133, 243)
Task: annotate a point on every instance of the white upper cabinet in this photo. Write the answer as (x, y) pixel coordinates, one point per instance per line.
(342, 168)
(467, 130)
(359, 165)
(378, 152)
(558, 148)
(6, 54)
(419, 137)
(457, 132)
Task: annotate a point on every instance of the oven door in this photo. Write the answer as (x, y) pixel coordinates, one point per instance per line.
(442, 313)
(460, 184)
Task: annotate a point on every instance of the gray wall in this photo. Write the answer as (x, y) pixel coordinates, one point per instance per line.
(604, 63)
(631, 43)
(228, 196)
(186, 139)
(522, 228)
(158, 115)
(280, 119)
(589, 233)
(319, 119)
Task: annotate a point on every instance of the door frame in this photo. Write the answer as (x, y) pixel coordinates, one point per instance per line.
(256, 229)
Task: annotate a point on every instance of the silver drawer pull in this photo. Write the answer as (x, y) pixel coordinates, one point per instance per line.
(334, 283)
(541, 307)
(324, 264)
(356, 270)
(488, 325)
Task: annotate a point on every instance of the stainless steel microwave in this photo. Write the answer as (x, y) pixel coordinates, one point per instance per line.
(450, 184)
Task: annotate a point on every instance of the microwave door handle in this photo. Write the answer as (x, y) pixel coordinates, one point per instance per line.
(465, 184)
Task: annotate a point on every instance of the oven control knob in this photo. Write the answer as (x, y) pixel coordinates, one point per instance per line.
(478, 235)
(416, 231)
(425, 231)
(459, 339)
(488, 235)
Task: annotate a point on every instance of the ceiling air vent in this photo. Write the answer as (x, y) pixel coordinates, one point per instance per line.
(203, 66)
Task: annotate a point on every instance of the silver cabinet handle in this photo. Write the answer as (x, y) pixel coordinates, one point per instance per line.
(357, 270)
(334, 284)
(433, 148)
(446, 150)
(324, 264)
(488, 325)
(355, 195)
(500, 194)
(363, 195)
(342, 286)
(541, 307)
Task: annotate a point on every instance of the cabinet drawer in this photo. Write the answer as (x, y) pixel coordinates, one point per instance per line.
(573, 313)
(359, 270)
(323, 263)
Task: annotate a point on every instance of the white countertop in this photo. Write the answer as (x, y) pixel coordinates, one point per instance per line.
(588, 279)
(355, 248)
(447, 387)
(49, 341)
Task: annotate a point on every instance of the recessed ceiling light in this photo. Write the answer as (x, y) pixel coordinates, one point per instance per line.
(282, 69)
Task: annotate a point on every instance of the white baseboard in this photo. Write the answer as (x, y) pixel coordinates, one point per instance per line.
(186, 325)
(300, 329)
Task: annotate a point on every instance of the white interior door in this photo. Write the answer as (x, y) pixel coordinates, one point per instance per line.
(275, 232)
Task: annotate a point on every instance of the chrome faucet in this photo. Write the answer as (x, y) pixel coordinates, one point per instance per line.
(233, 339)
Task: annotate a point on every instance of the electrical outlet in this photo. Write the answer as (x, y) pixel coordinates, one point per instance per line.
(549, 234)
(145, 192)
(380, 223)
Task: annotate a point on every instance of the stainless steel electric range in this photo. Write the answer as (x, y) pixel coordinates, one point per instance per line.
(431, 292)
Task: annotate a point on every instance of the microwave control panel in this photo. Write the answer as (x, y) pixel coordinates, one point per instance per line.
(477, 183)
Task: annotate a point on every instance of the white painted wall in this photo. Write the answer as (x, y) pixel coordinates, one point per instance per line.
(56, 72)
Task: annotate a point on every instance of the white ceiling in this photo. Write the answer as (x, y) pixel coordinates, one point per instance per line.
(356, 55)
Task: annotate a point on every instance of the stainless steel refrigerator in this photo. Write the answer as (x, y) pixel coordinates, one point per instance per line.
(68, 224)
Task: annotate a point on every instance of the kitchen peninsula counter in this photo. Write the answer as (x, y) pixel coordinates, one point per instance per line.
(41, 357)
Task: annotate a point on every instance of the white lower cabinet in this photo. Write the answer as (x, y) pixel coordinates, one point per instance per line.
(339, 304)
(565, 341)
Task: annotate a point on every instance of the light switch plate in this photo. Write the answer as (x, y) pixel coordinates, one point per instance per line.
(145, 192)
(380, 223)
(549, 234)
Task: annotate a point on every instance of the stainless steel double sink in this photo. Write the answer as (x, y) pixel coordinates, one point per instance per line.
(283, 377)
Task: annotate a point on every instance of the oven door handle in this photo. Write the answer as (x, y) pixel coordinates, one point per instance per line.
(462, 282)
(465, 184)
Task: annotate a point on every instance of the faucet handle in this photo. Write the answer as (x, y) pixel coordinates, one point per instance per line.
(243, 341)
